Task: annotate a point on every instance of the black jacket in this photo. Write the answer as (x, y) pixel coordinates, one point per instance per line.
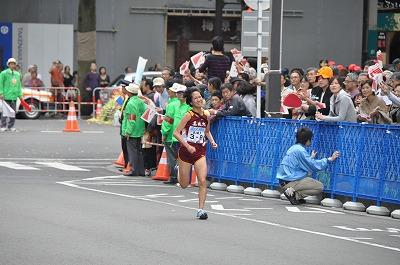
(234, 107)
(316, 94)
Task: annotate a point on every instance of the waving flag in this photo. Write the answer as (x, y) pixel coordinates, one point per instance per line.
(198, 59)
(376, 74)
(7, 110)
(237, 55)
(184, 67)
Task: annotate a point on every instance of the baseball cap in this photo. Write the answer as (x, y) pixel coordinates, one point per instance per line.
(325, 72)
(176, 87)
(11, 60)
(158, 81)
(181, 88)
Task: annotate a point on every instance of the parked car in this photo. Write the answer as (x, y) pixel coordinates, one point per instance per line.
(131, 77)
(37, 99)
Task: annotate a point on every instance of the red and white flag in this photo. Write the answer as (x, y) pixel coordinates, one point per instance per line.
(198, 59)
(237, 55)
(379, 58)
(148, 115)
(375, 73)
(160, 119)
(233, 72)
(184, 67)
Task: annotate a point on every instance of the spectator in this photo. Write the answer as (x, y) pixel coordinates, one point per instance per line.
(246, 91)
(75, 79)
(368, 64)
(34, 81)
(396, 65)
(372, 108)
(171, 144)
(394, 96)
(285, 90)
(320, 94)
(216, 63)
(104, 77)
(27, 76)
(133, 129)
(304, 92)
(362, 77)
(214, 84)
(92, 80)
(167, 74)
(341, 105)
(295, 79)
(323, 63)
(68, 77)
(57, 79)
(128, 70)
(147, 88)
(351, 85)
(161, 95)
(311, 74)
(395, 79)
(294, 173)
(10, 91)
(357, 101)
(216, 100)
(234, 105)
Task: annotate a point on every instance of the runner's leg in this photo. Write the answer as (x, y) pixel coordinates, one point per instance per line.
(201, 170)
(184, 173)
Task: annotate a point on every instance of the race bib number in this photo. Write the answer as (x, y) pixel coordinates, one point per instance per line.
(196, 135)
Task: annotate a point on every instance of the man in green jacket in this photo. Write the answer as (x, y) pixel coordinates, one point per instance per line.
(133, 128)
(10, 91)
(167, 130)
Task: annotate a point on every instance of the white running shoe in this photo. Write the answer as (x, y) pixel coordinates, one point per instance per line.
(3, 129)
(201, 214)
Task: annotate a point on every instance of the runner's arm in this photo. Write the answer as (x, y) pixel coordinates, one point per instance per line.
(208, 132)
(178, 130)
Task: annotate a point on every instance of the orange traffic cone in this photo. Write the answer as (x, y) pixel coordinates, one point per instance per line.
(128, 169)
(162, 169)
(120, 160)
(98, 109)
(72, 121)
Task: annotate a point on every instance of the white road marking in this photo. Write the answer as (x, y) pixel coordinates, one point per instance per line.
(220, 207)
(92, 131)
(208, 194)
(195, 200)
(241, 214)
(357, 241)
(252, 200)
(163, 195)
(61, 166)
(258, 208)
(361, 238)
(395, 235)
(51, 131)
(226, 198)
(295, 209)
(17, 166)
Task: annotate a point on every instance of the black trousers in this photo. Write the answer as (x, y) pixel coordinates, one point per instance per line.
(124, 150)
(136, 155)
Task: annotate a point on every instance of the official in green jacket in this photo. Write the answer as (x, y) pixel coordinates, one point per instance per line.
(10, 91)
(133, 128)
(167, 130)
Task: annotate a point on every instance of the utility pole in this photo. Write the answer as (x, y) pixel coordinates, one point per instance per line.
(219, 6)
(273, 94)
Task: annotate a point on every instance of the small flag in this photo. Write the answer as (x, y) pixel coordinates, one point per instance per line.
(7, 110)
(321, 105)
(233, 71)
(148, 115)
(120, 100)
(160, 119)
(26, 106)
(198, 59)
(237, 55)
(184, 67)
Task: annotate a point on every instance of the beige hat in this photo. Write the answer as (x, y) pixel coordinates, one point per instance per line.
(158, 81)
(181, 88)
(11, 60)
(132, 88)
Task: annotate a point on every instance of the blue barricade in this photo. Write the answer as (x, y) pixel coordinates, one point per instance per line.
(250, 151)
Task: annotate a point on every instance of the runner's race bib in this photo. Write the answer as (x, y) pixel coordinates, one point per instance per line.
(196, 134)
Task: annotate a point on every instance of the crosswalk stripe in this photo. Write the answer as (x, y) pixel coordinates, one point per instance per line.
(61, 166)
(17, 166)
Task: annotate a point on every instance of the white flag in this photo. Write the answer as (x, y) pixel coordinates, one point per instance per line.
(140, 69)
(198, 59)
(233, 72)
(7, 110)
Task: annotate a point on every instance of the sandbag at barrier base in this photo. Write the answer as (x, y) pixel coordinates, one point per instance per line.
(334, 203)
(313, 200)
(395, 214)
(252, 191)
(354, 206)
(218, 186)
(235, 189)
(378, 210)
(271, 194)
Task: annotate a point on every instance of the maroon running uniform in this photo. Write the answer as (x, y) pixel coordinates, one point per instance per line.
(194, 135)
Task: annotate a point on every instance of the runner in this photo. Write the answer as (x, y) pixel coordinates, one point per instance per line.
(196, 127)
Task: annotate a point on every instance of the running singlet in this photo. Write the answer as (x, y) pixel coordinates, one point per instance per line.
(195, 130)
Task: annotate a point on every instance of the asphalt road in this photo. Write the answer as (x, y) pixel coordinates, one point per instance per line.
(62, 203)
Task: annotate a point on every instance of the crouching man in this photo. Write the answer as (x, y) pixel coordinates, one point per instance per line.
(294, 173)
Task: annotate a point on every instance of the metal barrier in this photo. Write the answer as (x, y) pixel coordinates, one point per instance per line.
(50, 99)
(104, 95)
(251, 150)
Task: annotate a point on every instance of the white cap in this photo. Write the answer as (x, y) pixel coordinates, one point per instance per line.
(11, 60)
(181, 88)
(158, 81)
(175, 87)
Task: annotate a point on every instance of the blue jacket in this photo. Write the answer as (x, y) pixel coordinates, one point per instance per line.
(297, 164)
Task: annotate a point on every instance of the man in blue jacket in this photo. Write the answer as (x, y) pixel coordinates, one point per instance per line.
(297, 166)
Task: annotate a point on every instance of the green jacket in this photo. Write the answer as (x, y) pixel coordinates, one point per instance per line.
(167, 129)
(10, 84)
(132, 124)
(183, 108)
